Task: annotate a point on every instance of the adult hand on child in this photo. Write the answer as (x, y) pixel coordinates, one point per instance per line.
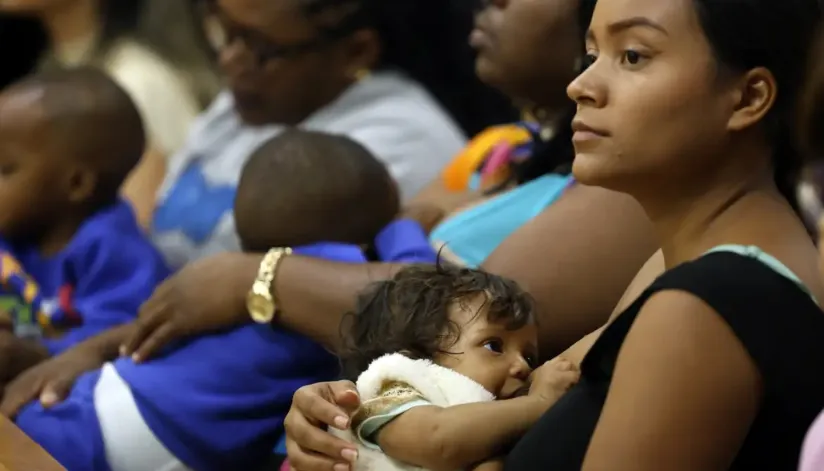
(317, 406)
(204, 296)
(17, 355)
(50, 381)
(552, 379)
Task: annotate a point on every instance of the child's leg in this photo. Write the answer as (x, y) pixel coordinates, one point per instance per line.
(130, 443)
(69, 431)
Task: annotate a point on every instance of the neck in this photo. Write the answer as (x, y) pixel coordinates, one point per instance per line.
(58, 237)
(690, 219)
(72, 22)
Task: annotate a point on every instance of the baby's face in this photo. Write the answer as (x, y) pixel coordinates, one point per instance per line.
(498, 359)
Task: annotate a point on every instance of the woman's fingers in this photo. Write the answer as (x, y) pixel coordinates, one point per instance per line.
(300, 460)
(156, 340)
(303, 437)
(315, 403)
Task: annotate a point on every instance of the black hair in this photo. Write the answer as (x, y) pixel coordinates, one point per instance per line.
(302, 187)
(427, 39)
(119, 18)
(30, 41)
(409, 313)
(92, 119)
(776, 35)
(811, 114)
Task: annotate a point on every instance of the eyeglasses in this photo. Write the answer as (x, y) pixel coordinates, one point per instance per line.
(221, 32)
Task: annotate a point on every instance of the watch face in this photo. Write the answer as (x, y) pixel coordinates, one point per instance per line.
(260, 308)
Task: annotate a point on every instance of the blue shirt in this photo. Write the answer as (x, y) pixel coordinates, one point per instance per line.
(217, 402)
(98, 281)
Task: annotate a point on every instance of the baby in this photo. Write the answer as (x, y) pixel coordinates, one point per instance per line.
(73, 261)
(433, 348)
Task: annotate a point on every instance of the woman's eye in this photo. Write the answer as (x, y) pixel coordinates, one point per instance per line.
(589, 59)
(632, 57)
(494, 346)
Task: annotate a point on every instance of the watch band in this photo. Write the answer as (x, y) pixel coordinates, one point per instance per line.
(269, 266)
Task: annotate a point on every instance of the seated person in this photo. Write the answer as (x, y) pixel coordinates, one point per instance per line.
(73, 261)
(433, 346)
(218, 402)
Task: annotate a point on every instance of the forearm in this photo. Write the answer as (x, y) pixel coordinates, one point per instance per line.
(313, 295)
(460, 436)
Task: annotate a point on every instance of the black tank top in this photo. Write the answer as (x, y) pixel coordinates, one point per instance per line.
(778, 323)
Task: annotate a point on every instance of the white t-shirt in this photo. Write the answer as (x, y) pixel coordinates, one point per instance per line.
(393, 116)
(166, 103)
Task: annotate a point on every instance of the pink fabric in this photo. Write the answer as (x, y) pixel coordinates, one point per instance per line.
(812, 455)
(285, 466)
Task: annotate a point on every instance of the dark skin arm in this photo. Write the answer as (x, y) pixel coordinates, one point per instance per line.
(18, 355)
(589, 238)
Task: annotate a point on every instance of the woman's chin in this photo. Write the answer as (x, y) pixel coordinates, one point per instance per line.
(591, 169)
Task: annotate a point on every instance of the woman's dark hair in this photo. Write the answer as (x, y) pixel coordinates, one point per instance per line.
(811, 113)
(29, 38)
(119, 18)
(426, 39)
(776, 35)
(410, 313)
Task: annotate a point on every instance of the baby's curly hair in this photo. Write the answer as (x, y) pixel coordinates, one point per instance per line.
(409, 313)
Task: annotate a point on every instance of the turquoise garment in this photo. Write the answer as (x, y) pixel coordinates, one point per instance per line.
(755, 252)
(473, 234)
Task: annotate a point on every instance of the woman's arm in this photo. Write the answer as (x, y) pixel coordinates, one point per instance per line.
(577, 259)
(694, 403)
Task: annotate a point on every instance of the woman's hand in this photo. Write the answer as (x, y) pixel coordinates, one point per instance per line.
(50, 381)
(204, 296)
(309, 446)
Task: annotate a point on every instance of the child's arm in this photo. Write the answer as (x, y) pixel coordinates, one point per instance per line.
(452, 438)
(460, 436)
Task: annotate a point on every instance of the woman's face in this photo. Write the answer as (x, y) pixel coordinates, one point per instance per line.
(278, 64)
(653, 106)
(528, 49)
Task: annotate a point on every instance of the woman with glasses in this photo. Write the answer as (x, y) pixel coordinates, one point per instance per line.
(158, 73)
(383, 73)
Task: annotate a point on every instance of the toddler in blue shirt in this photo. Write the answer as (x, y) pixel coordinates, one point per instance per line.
(73, 261)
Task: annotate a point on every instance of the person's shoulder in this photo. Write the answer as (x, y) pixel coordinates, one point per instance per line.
(113, 236)
(388, 106)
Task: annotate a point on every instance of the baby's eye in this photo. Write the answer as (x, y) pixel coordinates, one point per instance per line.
(494, 345)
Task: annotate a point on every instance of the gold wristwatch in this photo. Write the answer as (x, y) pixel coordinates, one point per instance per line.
(259, 301)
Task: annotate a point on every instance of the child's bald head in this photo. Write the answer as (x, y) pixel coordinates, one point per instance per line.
(80, 116)
(68, 140)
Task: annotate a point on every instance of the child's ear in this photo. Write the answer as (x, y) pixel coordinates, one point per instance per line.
(81, 184)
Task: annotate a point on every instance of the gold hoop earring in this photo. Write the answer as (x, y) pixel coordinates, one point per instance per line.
(361, 74)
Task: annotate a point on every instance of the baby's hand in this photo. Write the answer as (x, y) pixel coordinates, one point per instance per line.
(552, 379)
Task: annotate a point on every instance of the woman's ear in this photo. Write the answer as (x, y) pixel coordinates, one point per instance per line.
(755, 96)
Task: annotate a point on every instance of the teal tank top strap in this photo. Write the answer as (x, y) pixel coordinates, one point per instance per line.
(776, 265)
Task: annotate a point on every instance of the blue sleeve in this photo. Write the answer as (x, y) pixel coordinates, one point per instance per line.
(404, 241)
(112, 277)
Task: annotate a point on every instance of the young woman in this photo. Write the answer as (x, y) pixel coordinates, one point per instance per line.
(686, 105)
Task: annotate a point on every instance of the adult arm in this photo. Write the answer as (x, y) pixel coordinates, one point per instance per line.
(141, 187)
(577, 259)
(666, 375)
